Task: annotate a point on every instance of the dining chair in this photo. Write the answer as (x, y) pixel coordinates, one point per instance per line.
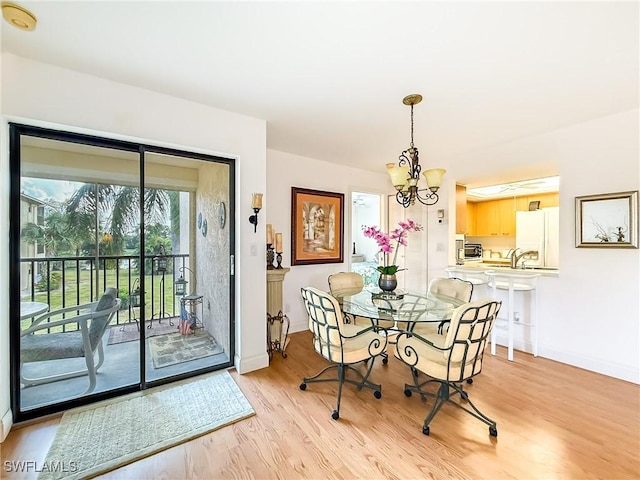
(452, 359)
(39, 343)
(343, 284)
(450, 287)
(342, 344)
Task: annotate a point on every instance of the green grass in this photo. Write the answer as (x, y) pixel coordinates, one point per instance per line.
(83, 286)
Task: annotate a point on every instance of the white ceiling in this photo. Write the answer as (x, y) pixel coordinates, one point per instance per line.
(329, 77)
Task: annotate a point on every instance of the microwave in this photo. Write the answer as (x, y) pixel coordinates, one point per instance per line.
(472, 252)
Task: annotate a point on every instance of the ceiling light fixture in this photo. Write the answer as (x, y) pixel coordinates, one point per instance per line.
(18, 16)
(406, 173)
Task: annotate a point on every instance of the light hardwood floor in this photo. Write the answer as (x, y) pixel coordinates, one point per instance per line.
(554, 422)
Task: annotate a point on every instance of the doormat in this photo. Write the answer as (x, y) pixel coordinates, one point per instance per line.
(93, 440)
(130, 331)
(177, 348)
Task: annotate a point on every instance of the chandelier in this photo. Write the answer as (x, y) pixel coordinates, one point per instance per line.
(405, 175)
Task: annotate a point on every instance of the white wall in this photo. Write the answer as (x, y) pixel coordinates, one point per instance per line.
(590, 314)
(44, 95)
(286, 171)
(5, 411)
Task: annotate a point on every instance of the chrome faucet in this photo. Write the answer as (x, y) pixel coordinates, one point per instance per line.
(515, 257)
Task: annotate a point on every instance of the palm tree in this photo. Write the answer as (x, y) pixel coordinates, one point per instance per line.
(62, 234)
(118, 207)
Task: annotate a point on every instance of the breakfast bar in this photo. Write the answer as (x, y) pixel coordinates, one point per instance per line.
(522, 292)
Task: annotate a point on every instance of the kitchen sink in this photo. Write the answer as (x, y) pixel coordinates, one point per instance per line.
(507, 266)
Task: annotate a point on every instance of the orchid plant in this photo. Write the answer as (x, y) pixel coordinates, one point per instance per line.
(384, 241)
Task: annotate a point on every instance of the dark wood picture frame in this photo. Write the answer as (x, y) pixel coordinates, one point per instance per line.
(609, 220)
(317, 227)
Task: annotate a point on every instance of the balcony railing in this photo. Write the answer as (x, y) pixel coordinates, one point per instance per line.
(68, 281)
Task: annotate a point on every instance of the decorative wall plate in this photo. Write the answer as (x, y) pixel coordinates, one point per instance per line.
(204, 227)
(222, 214)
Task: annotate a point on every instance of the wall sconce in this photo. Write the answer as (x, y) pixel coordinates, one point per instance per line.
(256, 204)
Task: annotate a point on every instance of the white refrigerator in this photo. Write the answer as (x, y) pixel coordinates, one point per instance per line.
(538, 231)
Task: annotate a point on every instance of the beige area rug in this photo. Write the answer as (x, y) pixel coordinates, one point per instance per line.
(93, 440)
(177, 348)
(118, 334)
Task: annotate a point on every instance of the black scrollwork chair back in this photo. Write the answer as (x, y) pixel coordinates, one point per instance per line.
(450, 360)
(341, 344)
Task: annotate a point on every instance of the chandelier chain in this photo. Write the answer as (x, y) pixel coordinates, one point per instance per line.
(411, 145)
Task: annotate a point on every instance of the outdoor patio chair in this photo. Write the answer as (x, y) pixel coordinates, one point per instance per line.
(37, 345)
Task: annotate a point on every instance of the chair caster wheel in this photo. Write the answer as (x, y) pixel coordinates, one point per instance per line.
(425, 430)
(303, 386)
(469, 381)
(335, 415)
(407, 392)
(385, 360)
(377, 394)
(464, 395)
(493, 431)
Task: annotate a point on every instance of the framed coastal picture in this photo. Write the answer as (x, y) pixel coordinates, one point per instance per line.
(607, 221)
(317, 227)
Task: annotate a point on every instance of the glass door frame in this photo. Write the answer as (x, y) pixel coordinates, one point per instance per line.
(16, 131)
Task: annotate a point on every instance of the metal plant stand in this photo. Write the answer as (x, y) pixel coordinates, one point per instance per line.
(277, 334)
(190, 304)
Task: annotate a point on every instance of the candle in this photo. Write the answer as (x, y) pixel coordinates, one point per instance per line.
(256, 200)
(279, 242)
(269, 234)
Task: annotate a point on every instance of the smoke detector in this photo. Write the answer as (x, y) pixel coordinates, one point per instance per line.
(18, 16)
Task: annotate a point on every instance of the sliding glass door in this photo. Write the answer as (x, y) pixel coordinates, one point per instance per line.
(121, 267)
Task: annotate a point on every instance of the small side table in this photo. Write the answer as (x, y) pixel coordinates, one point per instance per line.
(190, 304)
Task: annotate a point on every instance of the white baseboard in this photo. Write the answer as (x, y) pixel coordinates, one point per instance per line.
(610, 369)
(7, 423)
(246, 365)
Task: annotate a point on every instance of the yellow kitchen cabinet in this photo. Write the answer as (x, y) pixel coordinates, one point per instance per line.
(495, 218)
(487, 218)
(471, 218)
(507, 214)
(551, 199)
(461, 209)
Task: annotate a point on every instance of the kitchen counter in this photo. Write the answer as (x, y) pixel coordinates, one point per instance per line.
(506, 267)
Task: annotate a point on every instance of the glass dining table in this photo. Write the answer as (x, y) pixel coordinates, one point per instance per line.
(403, 309)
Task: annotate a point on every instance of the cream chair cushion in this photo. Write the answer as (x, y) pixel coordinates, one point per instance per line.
(458, 354)
(335, 340)
(450, 287)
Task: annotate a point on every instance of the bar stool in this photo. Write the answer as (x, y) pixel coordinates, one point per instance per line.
(515, 282)
(478, 278)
